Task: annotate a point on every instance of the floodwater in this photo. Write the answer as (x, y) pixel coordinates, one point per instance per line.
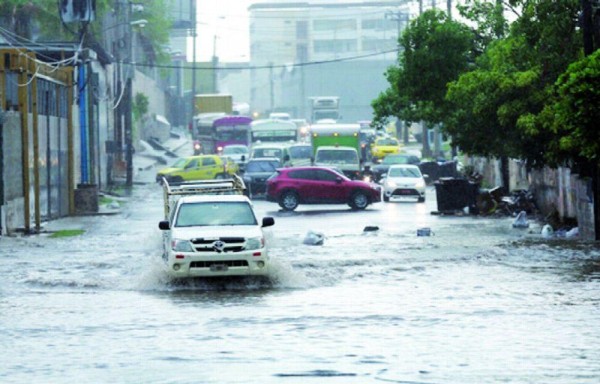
(476, 302)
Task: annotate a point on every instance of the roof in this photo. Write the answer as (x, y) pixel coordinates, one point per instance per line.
(335, 147)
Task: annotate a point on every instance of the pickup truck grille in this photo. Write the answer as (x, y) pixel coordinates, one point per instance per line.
(229, 263)
(222, 244)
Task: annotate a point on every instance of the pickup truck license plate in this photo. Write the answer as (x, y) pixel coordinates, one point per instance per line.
(218, 268)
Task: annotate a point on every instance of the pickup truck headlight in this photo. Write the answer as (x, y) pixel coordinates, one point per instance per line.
(180, 245)
(254, 243)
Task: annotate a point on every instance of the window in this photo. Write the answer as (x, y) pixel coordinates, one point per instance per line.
(192, 164)
(326, 175)
(215, 213)
(207, 161)
(301, 30)
(335, 46)
(305, 174)
(334, 25)
(301, 152)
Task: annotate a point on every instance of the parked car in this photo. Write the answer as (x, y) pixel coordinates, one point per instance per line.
(378, 170)
(384, 146)
(202, 167)
(257, 172)
(319, 185)
(238, 153)
(403, 180)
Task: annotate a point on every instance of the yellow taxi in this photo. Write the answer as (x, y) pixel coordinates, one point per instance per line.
(384, 146)
(201, 167)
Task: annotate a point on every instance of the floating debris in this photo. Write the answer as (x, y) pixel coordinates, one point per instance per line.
(547, 231)
(424, 231)
(371, 228)
(314, 238)
(521, 220)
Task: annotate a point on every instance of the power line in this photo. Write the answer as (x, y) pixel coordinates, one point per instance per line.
(267, 66)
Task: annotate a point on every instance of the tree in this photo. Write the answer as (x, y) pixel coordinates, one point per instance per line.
(42, 16)
(495, 106)
(435, 51)
(573, 115)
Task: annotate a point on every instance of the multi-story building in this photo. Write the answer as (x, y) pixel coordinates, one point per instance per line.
(322, 48)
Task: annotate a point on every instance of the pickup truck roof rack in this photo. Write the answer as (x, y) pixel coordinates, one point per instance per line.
(233, 186)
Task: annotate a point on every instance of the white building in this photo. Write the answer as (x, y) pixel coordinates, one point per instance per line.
(322, 47)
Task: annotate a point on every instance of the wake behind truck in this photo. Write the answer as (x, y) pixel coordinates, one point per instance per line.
(337, 146)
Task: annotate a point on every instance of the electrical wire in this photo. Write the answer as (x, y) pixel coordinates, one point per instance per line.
(268, 66)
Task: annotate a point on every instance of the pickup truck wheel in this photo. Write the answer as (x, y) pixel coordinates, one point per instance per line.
(359, 200)
(221, 176)
(289, 200)
(175, 180)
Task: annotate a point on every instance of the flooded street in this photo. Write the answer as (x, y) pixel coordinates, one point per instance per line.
(477, 302)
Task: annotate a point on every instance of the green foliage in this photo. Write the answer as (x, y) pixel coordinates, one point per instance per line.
(436, 50)
(496, 106)
(140, 106)
(24, 16)
(573, 115)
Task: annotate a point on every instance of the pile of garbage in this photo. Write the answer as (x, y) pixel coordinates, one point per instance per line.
(495, 201)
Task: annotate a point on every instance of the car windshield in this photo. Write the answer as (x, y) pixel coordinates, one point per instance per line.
(178, 164)
(235, 150)
(262, 166)
(304, 152)
(404, 172)
(215, 213)
(395, 160)
(267, 152)
(337, 156)
(387, 142)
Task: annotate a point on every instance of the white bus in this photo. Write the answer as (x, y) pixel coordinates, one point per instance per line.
(273, 131)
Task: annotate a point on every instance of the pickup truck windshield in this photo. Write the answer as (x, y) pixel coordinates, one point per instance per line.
(215, 213)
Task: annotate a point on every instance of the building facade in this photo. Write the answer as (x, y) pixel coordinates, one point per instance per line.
(315, 48)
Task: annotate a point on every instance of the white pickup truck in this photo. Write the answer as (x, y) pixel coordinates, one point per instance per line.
(210, 229)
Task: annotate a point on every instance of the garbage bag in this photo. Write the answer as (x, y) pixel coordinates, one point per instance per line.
(521, 220)
(547, 231)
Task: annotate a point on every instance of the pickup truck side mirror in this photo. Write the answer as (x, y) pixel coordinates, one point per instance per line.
(164, 225)
(268, 221)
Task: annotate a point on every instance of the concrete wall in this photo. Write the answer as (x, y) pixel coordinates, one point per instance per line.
(156, 103)
(557, 191)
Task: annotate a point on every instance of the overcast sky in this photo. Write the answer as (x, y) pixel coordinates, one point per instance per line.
(228, 21)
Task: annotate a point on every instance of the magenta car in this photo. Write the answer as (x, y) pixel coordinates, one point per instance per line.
(319, 185)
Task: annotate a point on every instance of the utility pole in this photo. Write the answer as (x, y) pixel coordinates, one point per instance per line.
(128, 101)
(215, 62)
(193, 92)
(271, 87)
(399, 17)
(589, 45)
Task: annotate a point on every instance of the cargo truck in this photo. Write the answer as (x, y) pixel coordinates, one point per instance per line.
(337, 146)
(214, 103)
(325, 108)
